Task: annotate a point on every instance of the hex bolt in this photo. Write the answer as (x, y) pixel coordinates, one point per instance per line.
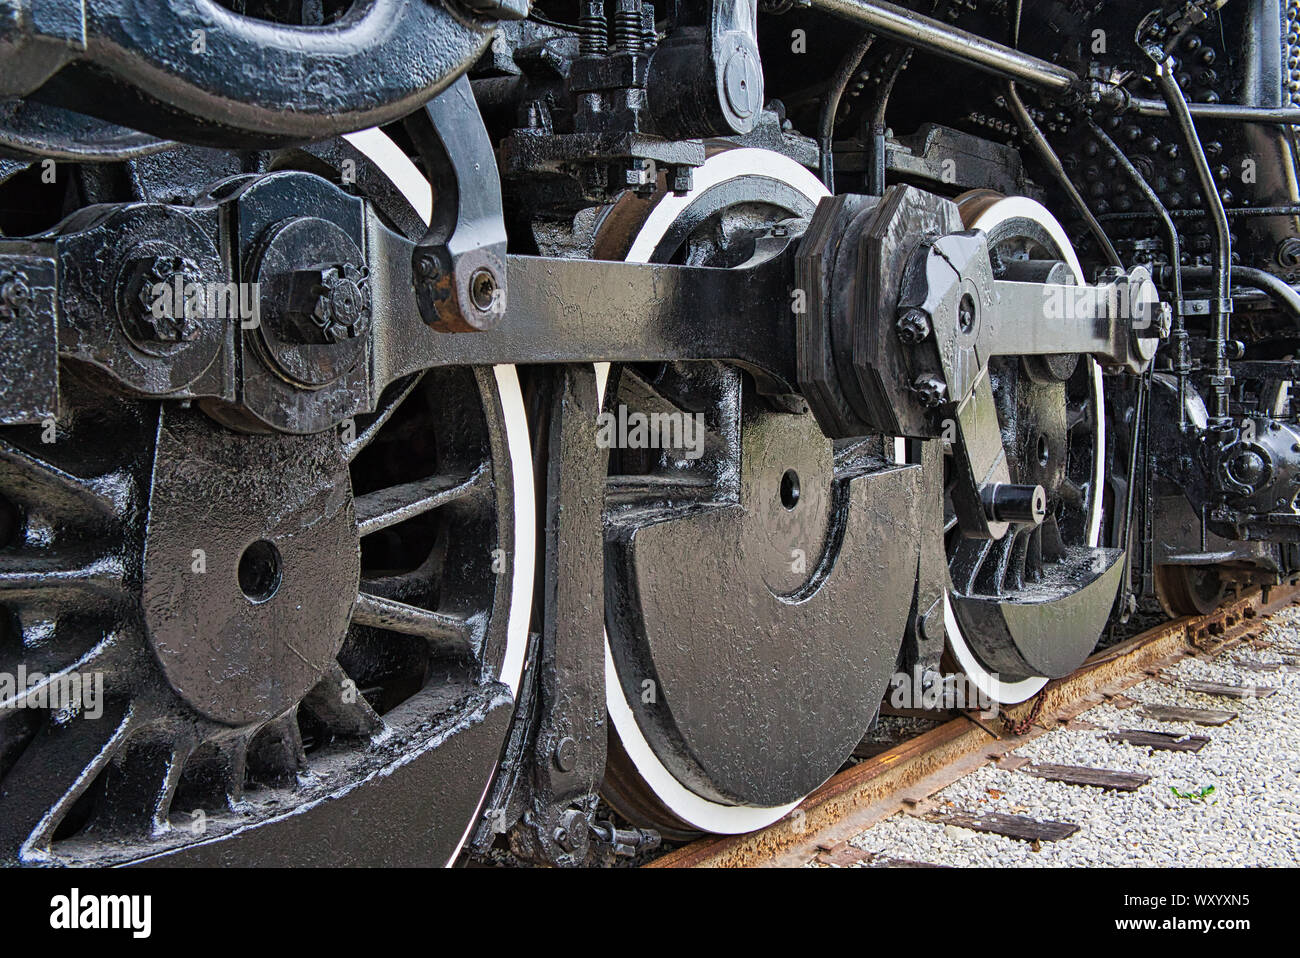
(914, 326)
(932, 390)
(155, 300)
(15, 294)
(334, 299)
(566, 754)
(426, 266)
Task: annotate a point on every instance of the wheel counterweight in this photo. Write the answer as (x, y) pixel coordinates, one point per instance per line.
(757, 585)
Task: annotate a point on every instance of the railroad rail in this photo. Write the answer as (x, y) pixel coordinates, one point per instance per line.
(901, 777)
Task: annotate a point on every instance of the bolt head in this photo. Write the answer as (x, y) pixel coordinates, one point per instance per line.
(913, 326)
(426, 266)
(566, 754)
(931, 390)
(155, 314)
(15, 294)
(336, 299)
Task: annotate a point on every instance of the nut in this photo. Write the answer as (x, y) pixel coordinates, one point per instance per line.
(913, 326)
(156, 302)
(336, 299)
(15, 294)
(931, 390)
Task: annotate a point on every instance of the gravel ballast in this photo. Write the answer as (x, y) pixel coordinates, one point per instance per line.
(1252, 816)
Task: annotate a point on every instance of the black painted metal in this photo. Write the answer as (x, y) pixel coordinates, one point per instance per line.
(567, 757)
(459, 264)
(231, 733)
(714, 569)
(195, 69)
(349, 643)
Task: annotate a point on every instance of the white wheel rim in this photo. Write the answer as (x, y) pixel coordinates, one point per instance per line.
(690, 807)
(377, 147)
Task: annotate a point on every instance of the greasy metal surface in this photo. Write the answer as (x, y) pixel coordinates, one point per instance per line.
(288, 222)
(32, 129)
(199, 71)
(568, 753)
(29, 377)
(764, 571)
(409, 813)
(209, 579)
(258, 656)
(792, 709)
(575, 311)
(459, 263)
(1031, 599)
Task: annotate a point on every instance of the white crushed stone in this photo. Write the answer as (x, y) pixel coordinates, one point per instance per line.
(1253, 762)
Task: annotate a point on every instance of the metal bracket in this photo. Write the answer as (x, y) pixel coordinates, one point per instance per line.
(706, 79)
(568, 753)
(29, 378)
(459, 265)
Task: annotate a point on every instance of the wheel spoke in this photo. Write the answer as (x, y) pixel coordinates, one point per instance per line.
(102, 659)
(388, 507)
(61, 573)
(353, 448)
(35, 483)
(215, 773)
(337, 704)
(1052, 543)
(275, 755)
(140, 784)
(52, 773)
(1078, 415)
(447, 632)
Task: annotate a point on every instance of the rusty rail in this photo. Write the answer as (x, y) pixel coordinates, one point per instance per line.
(876, 779)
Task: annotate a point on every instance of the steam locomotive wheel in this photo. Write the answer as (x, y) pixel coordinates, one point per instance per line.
(751, 625)
(1189, 589)
(1031, 606)
(293, 635)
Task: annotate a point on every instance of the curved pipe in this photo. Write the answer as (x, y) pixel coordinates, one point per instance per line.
(831, 106)
(1282, 293)
(1045, 152)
